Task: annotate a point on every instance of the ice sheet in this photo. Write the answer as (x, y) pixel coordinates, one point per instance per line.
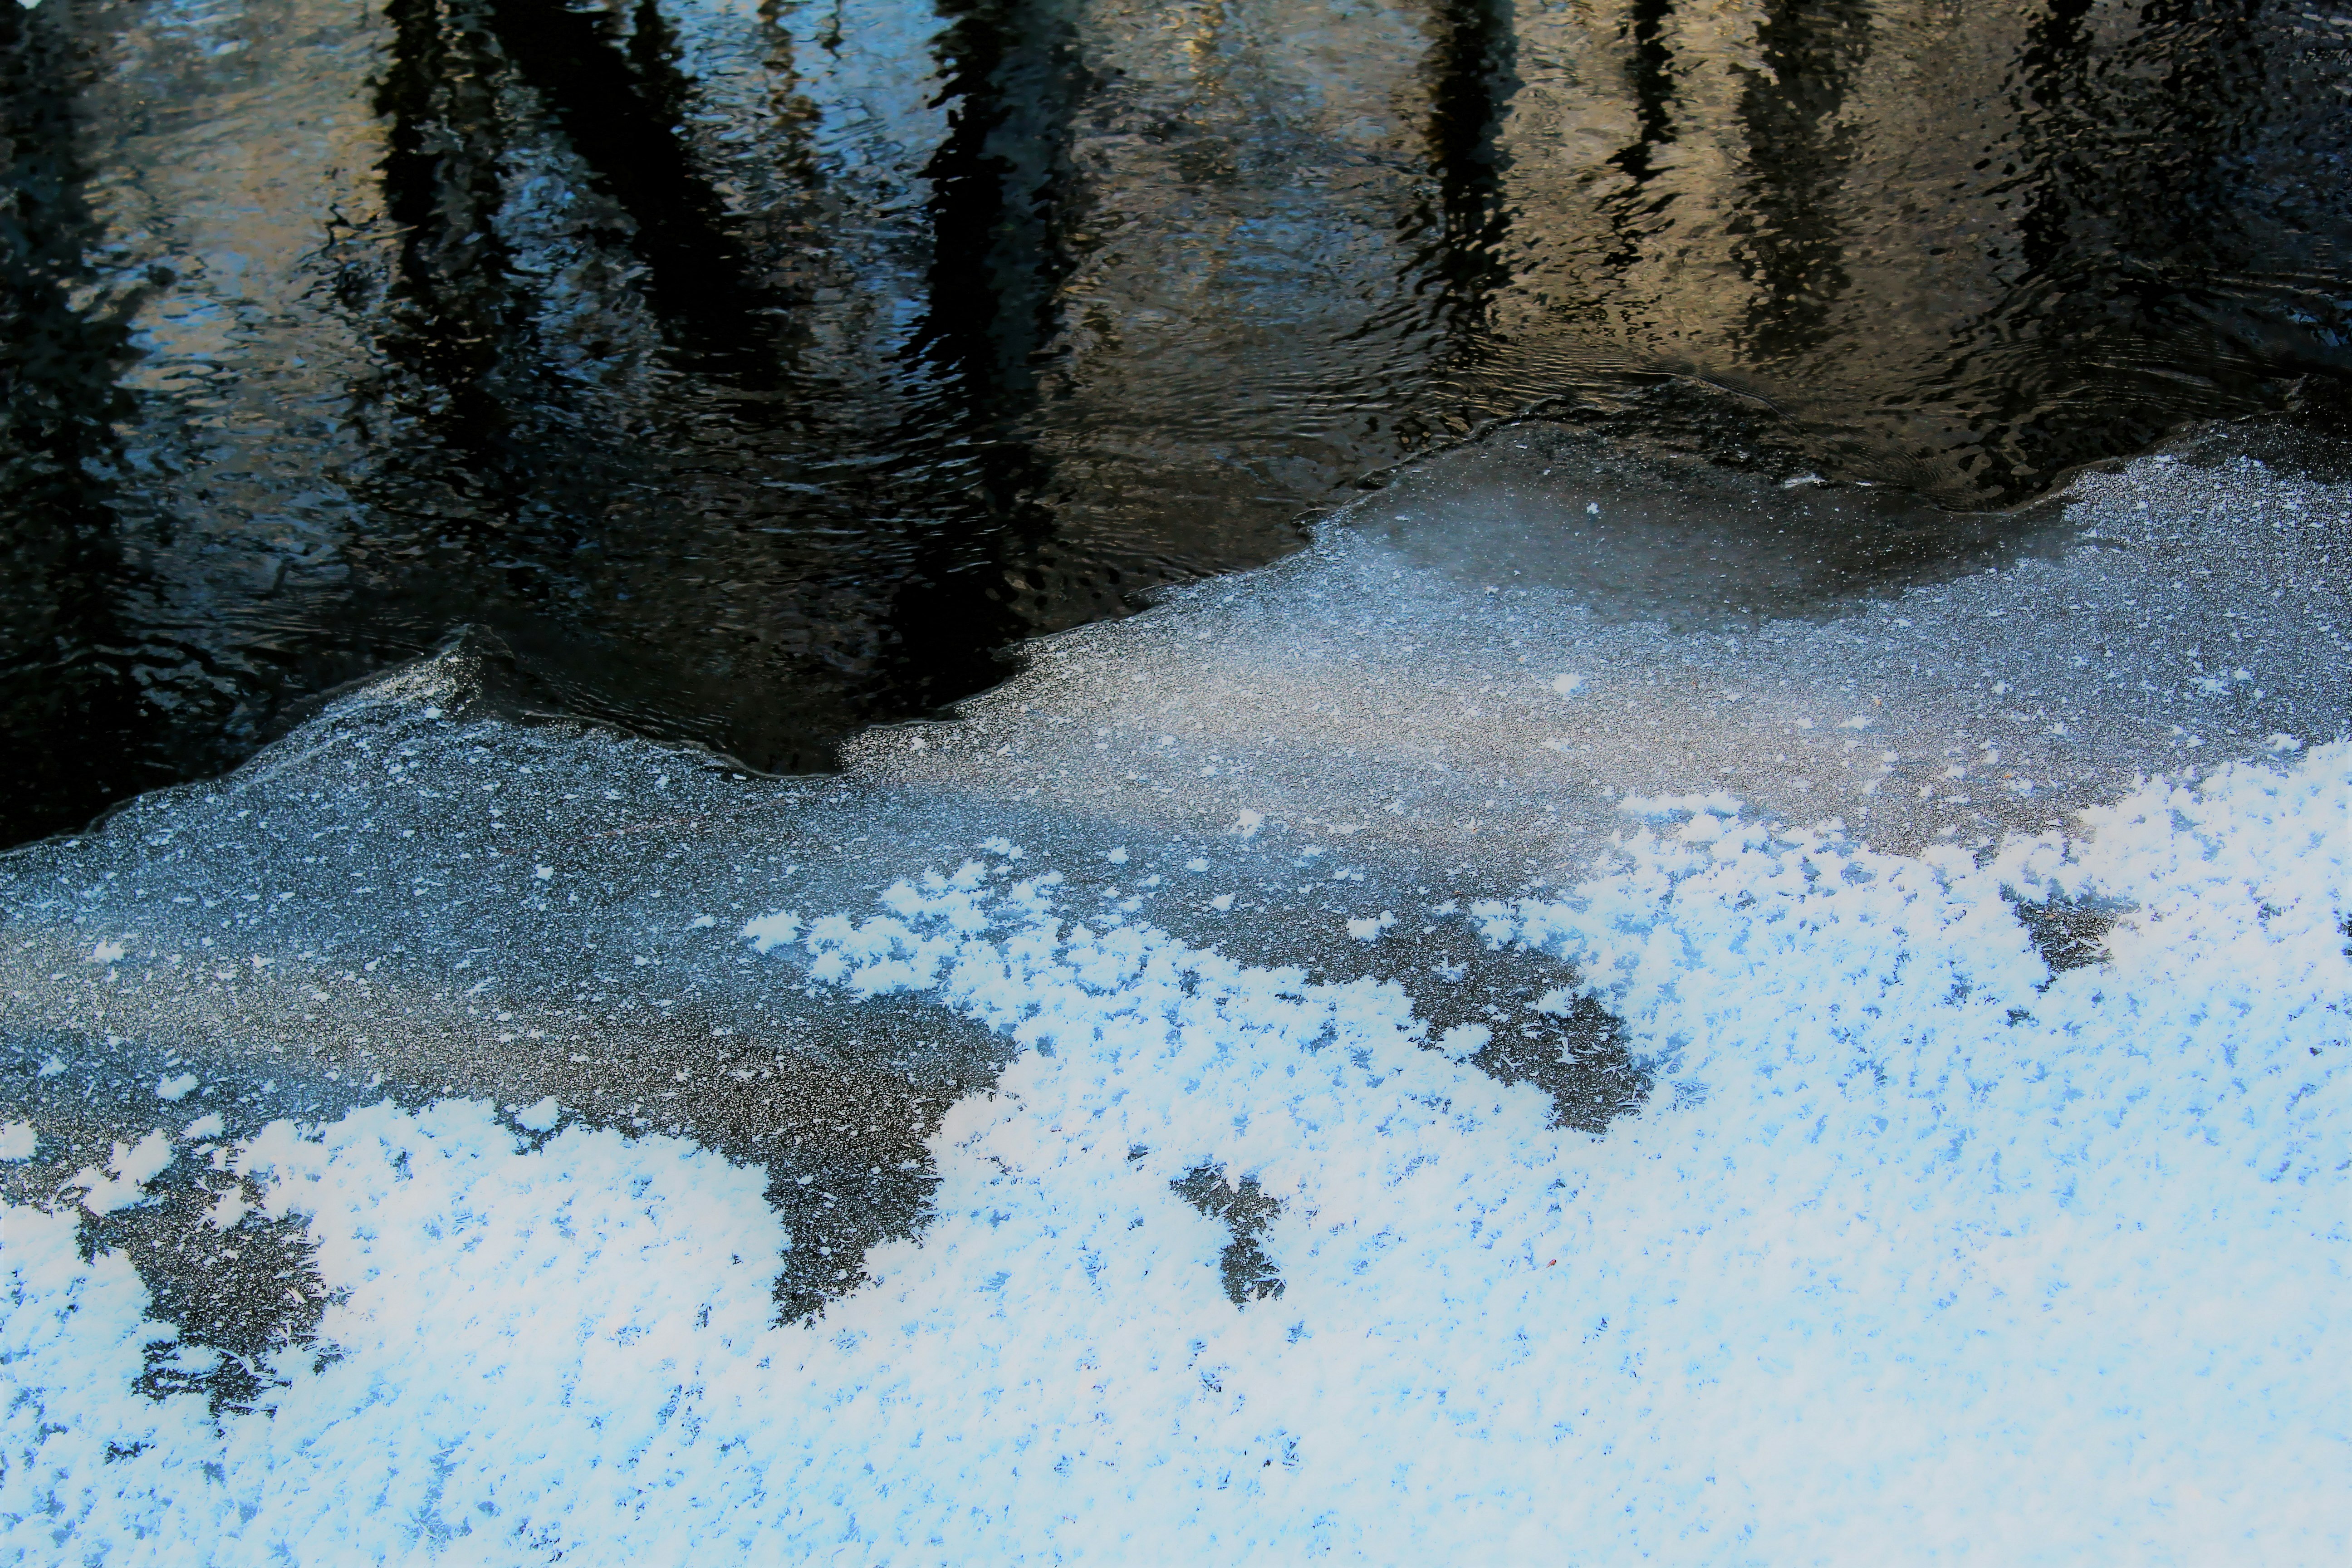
(1931, 1252)
(1347, 1063)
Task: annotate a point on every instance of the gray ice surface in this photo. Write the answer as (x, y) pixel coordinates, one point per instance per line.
(1473, 681)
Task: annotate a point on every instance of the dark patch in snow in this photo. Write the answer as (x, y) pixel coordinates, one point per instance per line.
(246, 1294)
(2069, 931)
(1578, 1055)
(1248, 1273)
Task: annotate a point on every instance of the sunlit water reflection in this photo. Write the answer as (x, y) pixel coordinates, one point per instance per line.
(758, 373)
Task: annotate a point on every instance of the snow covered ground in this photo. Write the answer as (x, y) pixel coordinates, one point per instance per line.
(1367, 1061)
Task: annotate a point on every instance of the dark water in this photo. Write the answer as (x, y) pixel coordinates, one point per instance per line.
(761, 371)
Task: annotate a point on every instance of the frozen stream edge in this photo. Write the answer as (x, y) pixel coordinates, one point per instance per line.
(1943, 1232)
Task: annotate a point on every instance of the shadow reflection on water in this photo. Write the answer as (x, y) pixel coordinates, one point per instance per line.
(758, 375)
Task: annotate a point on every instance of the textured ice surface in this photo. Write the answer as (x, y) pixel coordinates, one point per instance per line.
(1349, 1062)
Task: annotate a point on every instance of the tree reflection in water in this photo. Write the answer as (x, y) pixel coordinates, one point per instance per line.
(758, 375)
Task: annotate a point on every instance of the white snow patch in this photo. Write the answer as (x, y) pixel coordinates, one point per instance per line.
(18, 1140)
(127, 1174)
(176, 1087)
(1658, 807)
(771, 931)
(1464, 1041)
(1938, 1257)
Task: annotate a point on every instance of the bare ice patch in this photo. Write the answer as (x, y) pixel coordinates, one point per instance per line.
(1848, 1077)
(1940, 1252)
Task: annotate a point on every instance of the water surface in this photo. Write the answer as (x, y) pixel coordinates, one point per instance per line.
(758, 374)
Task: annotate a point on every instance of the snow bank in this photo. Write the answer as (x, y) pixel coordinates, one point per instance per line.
(1923, 1251)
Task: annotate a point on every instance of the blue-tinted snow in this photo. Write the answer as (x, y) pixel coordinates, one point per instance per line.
(1950, 958)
